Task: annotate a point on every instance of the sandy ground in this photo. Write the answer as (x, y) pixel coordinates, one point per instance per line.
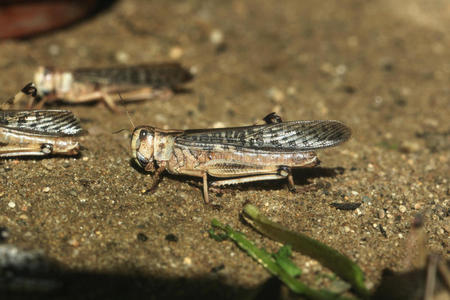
(381, 67)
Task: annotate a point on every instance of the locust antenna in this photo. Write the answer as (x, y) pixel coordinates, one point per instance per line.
(126, 110)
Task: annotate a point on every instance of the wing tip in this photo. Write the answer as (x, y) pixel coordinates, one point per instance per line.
(341, 133)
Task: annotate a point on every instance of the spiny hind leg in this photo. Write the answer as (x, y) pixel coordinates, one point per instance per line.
(147, 93)
(246, 179)
(216, 185)
(205, 187)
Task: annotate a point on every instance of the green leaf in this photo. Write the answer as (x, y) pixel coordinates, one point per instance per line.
(268, 261)
(282, 258)
(343, 266)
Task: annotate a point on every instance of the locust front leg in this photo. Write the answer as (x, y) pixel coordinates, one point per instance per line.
(156, 177)
(286, 171)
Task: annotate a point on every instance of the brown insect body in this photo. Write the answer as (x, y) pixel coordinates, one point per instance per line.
(241, 154)
(38, 133)
(19, 143)
(135, 83)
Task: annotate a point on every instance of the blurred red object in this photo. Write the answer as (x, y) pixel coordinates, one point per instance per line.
(19, 19)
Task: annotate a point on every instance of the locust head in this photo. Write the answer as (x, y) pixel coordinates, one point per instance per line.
(142, 146)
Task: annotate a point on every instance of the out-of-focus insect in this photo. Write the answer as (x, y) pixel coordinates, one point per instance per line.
(134, 83)
(239, 154)
(38, 132)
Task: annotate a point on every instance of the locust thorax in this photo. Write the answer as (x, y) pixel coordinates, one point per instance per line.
(142, 145)
(49, 81)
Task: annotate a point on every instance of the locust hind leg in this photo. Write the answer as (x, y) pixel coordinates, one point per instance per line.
(247, 179)
(136, 95)
(283, 172)
(205, 187)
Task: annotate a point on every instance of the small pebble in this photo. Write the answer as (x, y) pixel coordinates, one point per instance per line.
(171, 238)
(275, 94)
(176, 52)
(53, 49)
(47, 165)
(4, 234)
(73, 242)
(381, 213)
(11, 204)
(346, 229)
(291, 91)
(187, 261)
(409, 147)
(402, 208)
(216, 37)
(46, 189)
(341, 69)
(122, 57)
(217, 268)
(142, 237)
(366, 199)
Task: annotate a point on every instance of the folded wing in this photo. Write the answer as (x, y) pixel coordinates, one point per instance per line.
(44, 122)
(291, 136)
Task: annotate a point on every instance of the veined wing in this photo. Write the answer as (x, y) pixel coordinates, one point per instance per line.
(156, 75)
(291, 136)
(43, 122)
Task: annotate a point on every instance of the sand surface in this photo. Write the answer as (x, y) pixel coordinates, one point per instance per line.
(383, 68)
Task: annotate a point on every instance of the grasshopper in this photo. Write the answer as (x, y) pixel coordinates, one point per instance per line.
(238, 154)
(134, 83)
(38, 132)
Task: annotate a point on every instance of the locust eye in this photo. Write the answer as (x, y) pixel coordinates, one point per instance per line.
(143, 134)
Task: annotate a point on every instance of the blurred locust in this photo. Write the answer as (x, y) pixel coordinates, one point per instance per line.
(134, 83)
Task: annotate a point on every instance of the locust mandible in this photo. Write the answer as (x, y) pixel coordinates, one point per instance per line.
(134, 83)
(38, 132)
(237, 154)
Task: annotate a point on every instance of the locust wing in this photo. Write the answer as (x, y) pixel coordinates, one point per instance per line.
(155, 75)
(291, 136)
(42, 122)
